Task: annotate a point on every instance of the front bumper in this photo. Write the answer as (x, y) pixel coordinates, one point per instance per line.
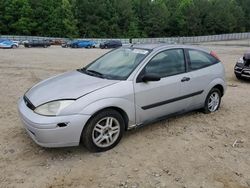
(242, 71)
(46, 132)
(5, 47)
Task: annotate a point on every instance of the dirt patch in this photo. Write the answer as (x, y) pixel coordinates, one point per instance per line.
(192, 150)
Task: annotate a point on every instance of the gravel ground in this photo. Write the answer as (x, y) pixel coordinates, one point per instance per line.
(192, 151)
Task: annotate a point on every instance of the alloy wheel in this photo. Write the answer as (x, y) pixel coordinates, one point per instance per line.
(213, 101)
(106, 132)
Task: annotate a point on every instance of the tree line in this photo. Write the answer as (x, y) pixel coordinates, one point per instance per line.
(123, 18)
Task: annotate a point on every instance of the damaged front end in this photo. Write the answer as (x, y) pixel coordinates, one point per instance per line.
(242, 67)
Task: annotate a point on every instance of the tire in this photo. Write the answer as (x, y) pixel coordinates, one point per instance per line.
(45, 46)
(96, 133)
(212, 105)
(14, 46)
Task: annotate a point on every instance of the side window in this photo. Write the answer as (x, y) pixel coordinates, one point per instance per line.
(199, 59)
(167, 63)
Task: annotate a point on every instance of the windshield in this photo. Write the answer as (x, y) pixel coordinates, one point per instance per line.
(117, 64)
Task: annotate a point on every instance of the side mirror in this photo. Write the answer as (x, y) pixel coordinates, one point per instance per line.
(150, 78)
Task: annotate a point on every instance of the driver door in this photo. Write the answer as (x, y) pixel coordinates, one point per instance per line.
(156, 99)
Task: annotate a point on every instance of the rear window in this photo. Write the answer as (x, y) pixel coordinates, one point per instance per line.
(199, 59)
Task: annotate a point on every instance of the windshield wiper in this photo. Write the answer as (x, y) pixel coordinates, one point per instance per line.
(90, 72)
(95, 73)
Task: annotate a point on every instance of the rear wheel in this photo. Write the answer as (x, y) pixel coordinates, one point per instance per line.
(14, 46)
(213, 101)
(103, 131)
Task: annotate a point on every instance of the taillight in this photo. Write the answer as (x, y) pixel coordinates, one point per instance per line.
(212, 53)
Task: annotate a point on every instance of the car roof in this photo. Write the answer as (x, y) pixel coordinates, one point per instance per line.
(156, 46)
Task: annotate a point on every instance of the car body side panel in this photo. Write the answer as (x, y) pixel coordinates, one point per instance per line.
(149, 95)
(200, 80)
(120, 95)
(125, 105)
(216, 81)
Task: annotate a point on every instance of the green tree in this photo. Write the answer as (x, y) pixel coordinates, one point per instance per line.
(244, 5)
(123, 18)
(15, 17)
(53, 18)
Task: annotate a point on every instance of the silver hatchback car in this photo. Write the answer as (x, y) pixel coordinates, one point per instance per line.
(125, 88)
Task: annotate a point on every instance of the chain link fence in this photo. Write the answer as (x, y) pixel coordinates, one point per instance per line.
(195, 39)
(224, 38)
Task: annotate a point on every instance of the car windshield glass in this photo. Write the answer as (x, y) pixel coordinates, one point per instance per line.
(117, 64)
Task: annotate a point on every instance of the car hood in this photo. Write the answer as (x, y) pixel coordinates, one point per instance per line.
(6, 43)
(70, 85)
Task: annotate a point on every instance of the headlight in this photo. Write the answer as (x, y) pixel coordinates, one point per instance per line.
(53, 108)
(240, 61)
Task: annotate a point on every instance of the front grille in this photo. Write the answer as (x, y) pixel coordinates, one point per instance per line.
(28, 103)
(246, 71)
(237, 68)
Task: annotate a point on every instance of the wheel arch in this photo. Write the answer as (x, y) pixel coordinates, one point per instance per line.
(218, 83)
(220, 87)
(119, 110)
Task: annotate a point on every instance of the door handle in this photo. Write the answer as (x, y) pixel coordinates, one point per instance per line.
(185, 79)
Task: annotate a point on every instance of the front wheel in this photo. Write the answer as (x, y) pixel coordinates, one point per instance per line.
(213, 101)
(103, 131)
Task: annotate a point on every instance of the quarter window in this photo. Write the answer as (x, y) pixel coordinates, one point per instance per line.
(167, 63)
(199, 59)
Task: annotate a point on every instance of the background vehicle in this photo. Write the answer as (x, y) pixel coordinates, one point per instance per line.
(66, 44)
(56, 42)
(7, 44)
(17, 42)
(242, 67)
(126, 88)
(111, 44)
(82, 44)
(37, 43)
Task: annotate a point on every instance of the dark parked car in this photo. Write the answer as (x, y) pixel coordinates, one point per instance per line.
(37, 43)
(242, 67)
(111, 44)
